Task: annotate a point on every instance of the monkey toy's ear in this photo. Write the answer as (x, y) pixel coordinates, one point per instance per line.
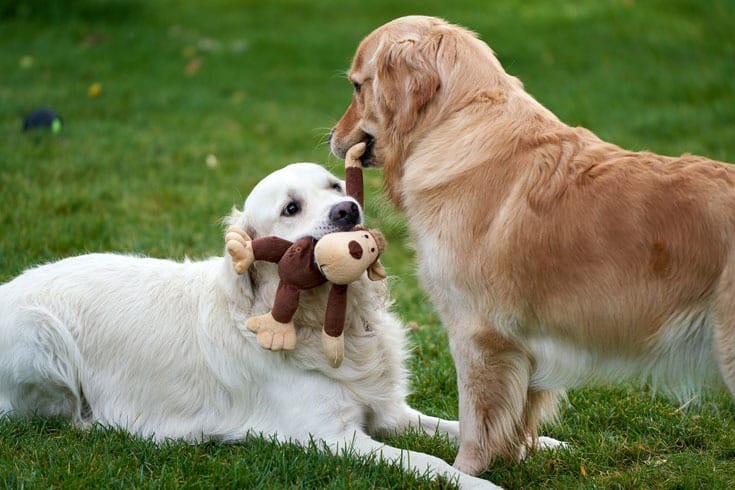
(376, 272)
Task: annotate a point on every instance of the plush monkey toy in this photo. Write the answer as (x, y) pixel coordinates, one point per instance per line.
(339, 258)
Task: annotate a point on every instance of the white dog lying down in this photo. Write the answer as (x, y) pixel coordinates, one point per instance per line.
(160, 348)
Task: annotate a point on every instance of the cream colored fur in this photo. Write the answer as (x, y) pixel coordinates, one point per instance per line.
(160, 349)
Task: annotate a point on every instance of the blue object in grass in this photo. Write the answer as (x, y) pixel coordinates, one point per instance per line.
(42, 119)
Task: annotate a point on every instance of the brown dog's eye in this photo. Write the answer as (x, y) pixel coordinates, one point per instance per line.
(357, 87)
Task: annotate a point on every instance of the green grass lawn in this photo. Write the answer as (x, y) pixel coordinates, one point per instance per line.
(254, 85)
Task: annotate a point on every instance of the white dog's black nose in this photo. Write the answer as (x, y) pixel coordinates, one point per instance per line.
(345, 214)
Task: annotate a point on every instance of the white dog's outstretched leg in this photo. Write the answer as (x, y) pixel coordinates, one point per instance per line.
(540, 444)
(361, 444)
(411, 418)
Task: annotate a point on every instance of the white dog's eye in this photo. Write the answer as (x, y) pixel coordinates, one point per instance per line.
(337, 187)
(290, 209)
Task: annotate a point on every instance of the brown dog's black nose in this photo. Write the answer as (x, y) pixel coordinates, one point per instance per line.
(345, 215)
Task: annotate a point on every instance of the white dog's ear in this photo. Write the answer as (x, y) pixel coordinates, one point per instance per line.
(407, 78)
(240, 219)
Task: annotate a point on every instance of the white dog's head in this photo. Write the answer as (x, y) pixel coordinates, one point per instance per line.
(301, 199)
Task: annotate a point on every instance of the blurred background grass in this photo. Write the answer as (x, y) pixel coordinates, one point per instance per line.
(173, 110)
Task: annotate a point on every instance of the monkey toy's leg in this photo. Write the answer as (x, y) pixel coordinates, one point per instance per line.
(275, 330)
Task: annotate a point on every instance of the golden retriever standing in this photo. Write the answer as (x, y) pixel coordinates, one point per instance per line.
(555, 259)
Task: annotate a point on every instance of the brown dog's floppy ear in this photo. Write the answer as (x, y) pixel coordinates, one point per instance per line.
(407, 79)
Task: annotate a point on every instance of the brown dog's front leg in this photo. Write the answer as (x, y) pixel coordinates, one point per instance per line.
(492, 377)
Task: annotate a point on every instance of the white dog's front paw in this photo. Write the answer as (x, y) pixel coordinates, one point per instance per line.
(543, 443)
(550, 443)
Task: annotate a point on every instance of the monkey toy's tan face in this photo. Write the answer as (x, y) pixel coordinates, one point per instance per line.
(343, 257)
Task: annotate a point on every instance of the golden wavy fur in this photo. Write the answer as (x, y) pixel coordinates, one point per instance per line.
(555, 259)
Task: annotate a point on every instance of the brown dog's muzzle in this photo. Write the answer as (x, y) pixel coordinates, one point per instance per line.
(340, 150)
(347, 133)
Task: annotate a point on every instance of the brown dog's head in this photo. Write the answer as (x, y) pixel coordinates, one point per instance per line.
(409, 75)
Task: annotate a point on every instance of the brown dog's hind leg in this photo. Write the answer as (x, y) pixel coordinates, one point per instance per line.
(725, 354)
(724, 331)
